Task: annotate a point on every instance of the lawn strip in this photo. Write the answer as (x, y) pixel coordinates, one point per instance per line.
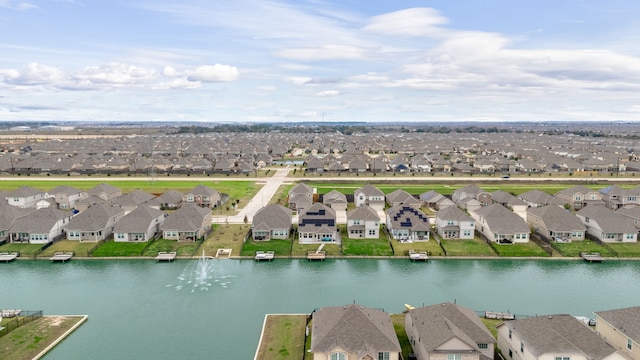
(30, 339)
(283, 337)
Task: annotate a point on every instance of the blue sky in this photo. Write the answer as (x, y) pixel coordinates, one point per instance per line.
(292, 61)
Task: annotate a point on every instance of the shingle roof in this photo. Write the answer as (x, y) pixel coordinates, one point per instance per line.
(402, 197)
(24, 191)
(138, 220)
(273, 216)
(502, 220)
(558, 219)
(188, 218)
(9, 213)
(334, 197)
(40, 221)
(608, 220)
(453, 213)
(94, 218)
(540, 197)
(408, 217)
(626, 320)
(559, 334)
(354, 328)
(365, 213)
(369, 190)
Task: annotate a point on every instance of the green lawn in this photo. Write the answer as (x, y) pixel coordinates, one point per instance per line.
(30, 339)
(280, 247)
(112, 248)
(431, 247)
(574, 248)
(398, 325)
(225, 236)
(519, 250)
(299, 250)
(180, 248)
(626, 249)
(366, 247)
(77, 247)
(25, 250)
(283, 338)
(475, 247)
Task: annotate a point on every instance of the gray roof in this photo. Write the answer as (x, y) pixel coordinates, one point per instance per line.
(365, 213)
(540, 197)
(318, 218)
(559, 334)
(138, 220)
(408, 217)
(94, 218)
(626, 320)
(40, 221)
(369, 190)
(437, 324)
(354, 328)
(64, 189)
(334, 197)
(103, 188)
(204, 190)
(608, 220)
(133, 198)
(9, 214)
(453, 213)
(503, 197)
(502, 220)
(402, 197)
(24, 191)
(168, 197)
(301, 188)
(273, 216)
(557, 219)
(188, 218)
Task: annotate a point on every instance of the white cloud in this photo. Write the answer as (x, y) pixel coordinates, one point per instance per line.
(327, 93)
(324, 52)
(408, 22)
(17, 5)
(214, 73)
(298, 80)
(267, 88)
(179, 84)
(33, 74)
(115, 74)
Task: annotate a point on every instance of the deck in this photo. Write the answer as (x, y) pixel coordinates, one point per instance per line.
(317, 255)
(166, 256)
(264, 255)
(592, 257)
(499, 315)
(8, 256)
(418, 255)
(61, 256)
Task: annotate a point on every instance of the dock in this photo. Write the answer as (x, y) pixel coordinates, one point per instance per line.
(264, 255)
(61, 256)
(166, 256)
(499, 315)
(418, 255)
(8, 256)
(592, 257)
(317, 255)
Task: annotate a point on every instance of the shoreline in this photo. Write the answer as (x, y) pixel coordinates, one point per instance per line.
(552, 258)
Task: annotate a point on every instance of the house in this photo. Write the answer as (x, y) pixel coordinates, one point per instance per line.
(369, 195)
(448, 331)
(453, 223)
(66, 196)
(621, 328)
(363, 223)
(94, 224)
(203, 196)
(105, 191)
(271, 222)
(408, 223)
(435, 200)
(471, 191)
(139, 225)
(632, 212)
(317, 224)
(89, 201)
(580, 196)
(41, 226)
(131, 201)
(169, 200)
(315, 164)
(538, 198)
(189, 223)
(25, 197)
(8, 215)
(607, 225)
(615, 197)
(401, 197)
(501, 225)
(335, 200)
(561, 337)
(300, 197)
(511, 202)
(353, 332)
(555, 223)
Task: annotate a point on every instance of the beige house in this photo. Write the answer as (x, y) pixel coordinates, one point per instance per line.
(448, 332)
(559, 337)
(353, 332)
(621, 328)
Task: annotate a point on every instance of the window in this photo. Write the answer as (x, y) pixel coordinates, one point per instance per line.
(586, 219)
(628, 236)
(483, 346)
(629, 344)
(563, 358)
(372, 232)
(521, 346)
(510, 353)
(383, 356)
(338, 356)
(454, 357)
(449, 222)
(120, 236)
(509, 338)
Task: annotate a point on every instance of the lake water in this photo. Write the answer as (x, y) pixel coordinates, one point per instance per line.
(147, 310)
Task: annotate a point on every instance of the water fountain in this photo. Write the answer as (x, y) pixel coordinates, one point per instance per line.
(200, 275)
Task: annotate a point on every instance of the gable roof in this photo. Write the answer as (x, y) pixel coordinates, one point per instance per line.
(272, 216)
(354, 328)
(301, 188)
(95, 217)
(334, 197)
(133, 198)
(437, 324)
(365, 213)
(369, 190)
(9, 214)
(607, 219)
(502, 220)
(453, 213)
(64, 189)
(39, 221)
(557, 219)
(401, 196)
(103, 188)
(559, 334)
(626, 320)
(540, 197)
(138, 220)
(408, 217)
(24, 191)
(188, 218)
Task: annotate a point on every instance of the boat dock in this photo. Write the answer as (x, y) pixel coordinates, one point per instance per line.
(166, 256)
(264, 255)
(8, 256)
(499, 315)
(592, 257)
(61, 256)
(317, 255)
(418, 255)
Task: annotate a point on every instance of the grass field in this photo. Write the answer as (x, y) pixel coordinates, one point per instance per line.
(626, 249)
(25, 250)
(283, 338)
(475, 247)
(398, 326)
(112, 248)
(431, 247)
(225, 236)
(77, 247)
(180, 248)
(30, 339)
(299, 250)
(574, 249)
(280, 247)
(520, 250)
(366, 247)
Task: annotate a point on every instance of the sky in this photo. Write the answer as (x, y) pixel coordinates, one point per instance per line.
(253, 61)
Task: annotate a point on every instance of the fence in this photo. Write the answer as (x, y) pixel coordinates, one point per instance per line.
(22, 318)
